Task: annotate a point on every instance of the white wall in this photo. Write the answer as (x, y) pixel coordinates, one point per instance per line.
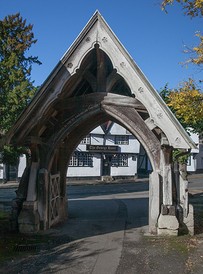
(119, 130)
(196, 154)
(97, 130)
(22, 165)
(192, 166)
(86, 171)
(133, 147)
(1, 171)
(130, 170)
(96, 139)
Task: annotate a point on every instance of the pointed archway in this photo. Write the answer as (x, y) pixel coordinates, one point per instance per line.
(95, 81)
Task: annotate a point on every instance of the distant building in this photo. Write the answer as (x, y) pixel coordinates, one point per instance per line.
(195, 160)
(109, 151)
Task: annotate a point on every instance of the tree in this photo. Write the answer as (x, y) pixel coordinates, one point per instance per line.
(192, 8)
(187, 104)
(16, 87)
(197, 51)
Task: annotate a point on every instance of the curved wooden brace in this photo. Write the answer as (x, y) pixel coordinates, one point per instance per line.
(82, 123)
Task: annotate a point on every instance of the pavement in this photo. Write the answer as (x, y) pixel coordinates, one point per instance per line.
(7, 190)
(121, 248)
(14, 184)
(192, 176)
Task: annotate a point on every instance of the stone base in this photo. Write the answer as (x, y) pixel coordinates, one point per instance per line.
(28, 220)
(15, 211)
(189, 221)
(167, 232)
(168, 225)
(107, 178)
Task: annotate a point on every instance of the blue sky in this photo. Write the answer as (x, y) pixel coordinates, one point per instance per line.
(154, 39)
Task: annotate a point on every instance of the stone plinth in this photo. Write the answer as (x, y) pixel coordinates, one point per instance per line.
(189, 220)
(168, 225)
(107, 178)
(28, 220)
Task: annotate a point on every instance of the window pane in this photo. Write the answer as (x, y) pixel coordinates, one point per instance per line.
(81, 159)
(122, 139)
(86, 140)
(120, 160)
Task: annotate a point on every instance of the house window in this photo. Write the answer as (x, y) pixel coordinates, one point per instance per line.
(122, 140)
(81, 159)
(120, 160)
(86, 140)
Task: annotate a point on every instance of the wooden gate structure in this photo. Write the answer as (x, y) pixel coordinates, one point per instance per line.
(54, 199)
(96, 81)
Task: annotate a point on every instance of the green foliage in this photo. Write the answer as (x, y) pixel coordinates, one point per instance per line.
(164, 93)
(186, 103)
(191, 8)
(16, 87)
(10, 154)
(182, 159)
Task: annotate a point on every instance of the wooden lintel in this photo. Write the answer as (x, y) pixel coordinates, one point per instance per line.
(34, 140)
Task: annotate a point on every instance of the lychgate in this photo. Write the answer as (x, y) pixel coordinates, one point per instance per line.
(96, 81)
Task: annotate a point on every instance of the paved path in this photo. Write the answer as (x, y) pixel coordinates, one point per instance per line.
(91, 241)
(105, 233)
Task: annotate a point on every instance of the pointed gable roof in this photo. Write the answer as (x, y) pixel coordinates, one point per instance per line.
(97, 32)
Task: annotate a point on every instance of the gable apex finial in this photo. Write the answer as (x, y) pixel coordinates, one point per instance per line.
(97, 14)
